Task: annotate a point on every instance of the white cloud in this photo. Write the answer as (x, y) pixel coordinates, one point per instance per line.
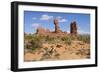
(83, 32)
(58, 17)
(36, 25)
(46, 17)
(62, 20)
(34, 18)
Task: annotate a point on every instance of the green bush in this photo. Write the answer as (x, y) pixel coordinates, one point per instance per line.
(28, 37)
(67, 40)
(34, 43)
(64, 38)
(52, 40)
(48, 38)
(84, 38)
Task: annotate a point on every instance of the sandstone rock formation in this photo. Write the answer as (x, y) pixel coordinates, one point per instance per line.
(42, 31)
(73, 28)
(58, 31)
(57, 28)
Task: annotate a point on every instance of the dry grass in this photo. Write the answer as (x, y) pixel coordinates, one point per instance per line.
(40, 48)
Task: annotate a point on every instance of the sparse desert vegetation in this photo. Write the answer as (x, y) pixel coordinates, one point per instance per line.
(46, 45)
(40, 48)
(50, 36)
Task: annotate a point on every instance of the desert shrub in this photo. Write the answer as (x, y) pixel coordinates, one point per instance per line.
(36, 44)
(73, 37)
(64, 38)
(47, 54)
(67, 40)
(28, 37)
(37, 38)
(48, 38)
(33, 43)
(55, 39)
(84, 38)
(50, 53)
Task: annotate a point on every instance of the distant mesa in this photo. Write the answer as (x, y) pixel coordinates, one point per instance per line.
(58, 31)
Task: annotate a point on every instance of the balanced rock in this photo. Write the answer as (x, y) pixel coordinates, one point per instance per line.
(57, 28)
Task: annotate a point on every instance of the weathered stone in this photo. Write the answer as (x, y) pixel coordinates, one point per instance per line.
(47, 32)
(73, 28)
(42, 31)
(59, 46)
(57, 28)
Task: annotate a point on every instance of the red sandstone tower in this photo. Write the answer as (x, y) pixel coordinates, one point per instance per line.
(57, 28)
(73, 28)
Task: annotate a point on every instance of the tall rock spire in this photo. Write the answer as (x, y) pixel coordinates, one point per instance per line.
(57, 28)
(73, 28)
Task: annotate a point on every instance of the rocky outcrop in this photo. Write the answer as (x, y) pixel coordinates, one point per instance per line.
(73, 28)
(57, 31)
(57, 28)
(42, 31)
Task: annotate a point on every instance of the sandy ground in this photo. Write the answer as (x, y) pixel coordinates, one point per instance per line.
(77, 50)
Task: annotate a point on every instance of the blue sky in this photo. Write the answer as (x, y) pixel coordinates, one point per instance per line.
(33, 20)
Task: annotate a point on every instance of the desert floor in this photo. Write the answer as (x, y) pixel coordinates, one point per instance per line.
(61, 51)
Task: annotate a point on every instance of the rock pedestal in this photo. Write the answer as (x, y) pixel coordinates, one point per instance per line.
(57, 28)
(57, 31)
(73, 28)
